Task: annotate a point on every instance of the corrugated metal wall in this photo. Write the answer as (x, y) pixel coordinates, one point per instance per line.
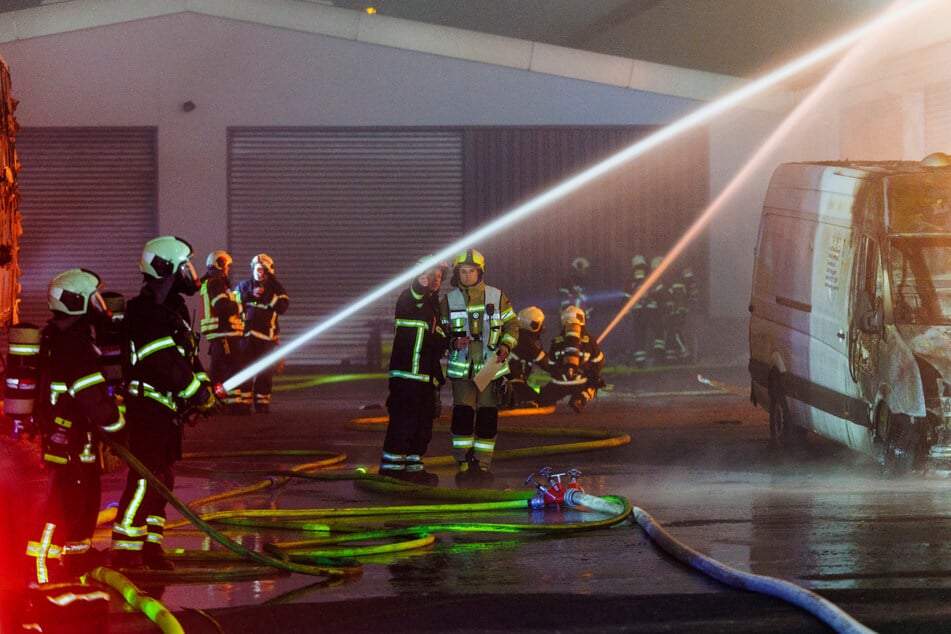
(341, 211)
(640, 208)
(89, 201)
(938, 116)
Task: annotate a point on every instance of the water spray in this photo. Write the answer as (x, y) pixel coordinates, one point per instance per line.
(698, 117)
(886, 18)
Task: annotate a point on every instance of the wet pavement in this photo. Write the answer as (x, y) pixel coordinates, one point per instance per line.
(696, 458)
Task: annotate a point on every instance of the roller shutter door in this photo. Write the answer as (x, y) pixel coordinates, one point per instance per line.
(341, 211)
(89, 201)
(938, 116)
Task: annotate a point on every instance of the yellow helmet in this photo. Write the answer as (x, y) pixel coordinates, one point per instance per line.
(219, 259)
(572, 316)
(531, 318)
(470, 256)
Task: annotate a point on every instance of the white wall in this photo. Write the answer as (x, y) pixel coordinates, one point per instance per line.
(238, 73)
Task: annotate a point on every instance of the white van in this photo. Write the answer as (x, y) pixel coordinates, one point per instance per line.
(850, 316)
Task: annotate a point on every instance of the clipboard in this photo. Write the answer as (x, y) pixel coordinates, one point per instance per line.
(488, 372)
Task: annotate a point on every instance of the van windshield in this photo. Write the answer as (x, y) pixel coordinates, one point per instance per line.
(919, 203)
(920, 276)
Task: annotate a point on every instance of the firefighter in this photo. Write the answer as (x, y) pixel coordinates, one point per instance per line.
(73, 407)
(575, 362)
(639, 317)
(483, 327)
(419, 343)
(654, 313)
(263, 298)
(572, 288)
(222, 326)
(676, 313)
(167, 387)
(528, 354)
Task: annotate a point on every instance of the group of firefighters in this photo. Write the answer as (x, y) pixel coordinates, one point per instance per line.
(492, 349)
(162, 386)
(658, 317)
(489, 350)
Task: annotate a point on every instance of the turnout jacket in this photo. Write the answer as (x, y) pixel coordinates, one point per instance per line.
(466, 312)
(419, 340)
(590, 359)
(220, 310)
(75, 399)
(164, 363)
(260, 313)
(528, 354)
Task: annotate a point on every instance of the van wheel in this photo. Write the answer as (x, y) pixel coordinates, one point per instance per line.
(899, 440)
(783, 431)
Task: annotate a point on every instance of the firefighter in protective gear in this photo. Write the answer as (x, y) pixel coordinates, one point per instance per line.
(683, 296)
(639, 316)
(529, 353)
(167, 387)
(419, 343)
(222, 326)
(482, 326)
(263, 299)
(575, 362)
(656, 301)
(572, 288)
(73, 407)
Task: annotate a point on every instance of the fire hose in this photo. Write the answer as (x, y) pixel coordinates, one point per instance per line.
(557, 493)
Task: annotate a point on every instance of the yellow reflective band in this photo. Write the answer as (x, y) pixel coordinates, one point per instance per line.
(192, 388)
(62, 422)
(411, 323)
(23, 349)
(86, 381)
(126, 523)
(119, 424)
(152, 348)
(484, 445)
(137, 388)
(69, 598)
(399, 374)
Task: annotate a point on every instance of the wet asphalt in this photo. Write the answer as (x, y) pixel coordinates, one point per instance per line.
(693, 455)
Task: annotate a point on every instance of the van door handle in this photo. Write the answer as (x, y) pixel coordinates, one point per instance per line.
(840, 334)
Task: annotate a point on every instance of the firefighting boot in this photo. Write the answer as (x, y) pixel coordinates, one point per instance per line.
(417, 474)
(153, 556)
(125, 560)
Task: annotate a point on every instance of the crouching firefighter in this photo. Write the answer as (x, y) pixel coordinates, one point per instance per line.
(73, 407)
(482, 326)
(166, 388)
(575, 360)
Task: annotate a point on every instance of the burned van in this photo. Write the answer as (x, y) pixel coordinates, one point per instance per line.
(850, 315)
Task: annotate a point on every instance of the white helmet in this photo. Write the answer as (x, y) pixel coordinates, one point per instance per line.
(164, 256)
(263, 260)
(572, 316)
(580, 264)
(531, 318)
(219, 259)
(74, 291)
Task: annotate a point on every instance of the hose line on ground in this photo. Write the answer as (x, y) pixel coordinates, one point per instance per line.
(823, 609)
(219, 537)
(149, 606)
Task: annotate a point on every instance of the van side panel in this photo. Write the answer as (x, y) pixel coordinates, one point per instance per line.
(800, 305)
